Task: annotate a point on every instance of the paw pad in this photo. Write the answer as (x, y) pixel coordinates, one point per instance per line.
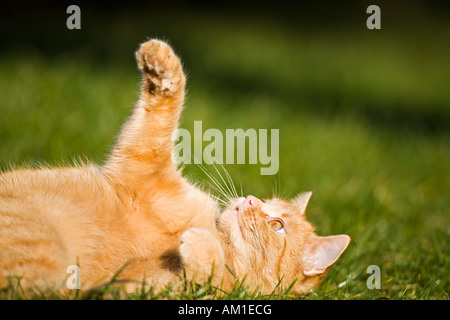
(161, 67)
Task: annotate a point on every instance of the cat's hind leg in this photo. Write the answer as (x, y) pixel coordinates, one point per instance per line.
(144, 148)
(31, 249)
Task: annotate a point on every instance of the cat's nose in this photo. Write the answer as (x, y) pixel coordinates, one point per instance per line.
(251, 200)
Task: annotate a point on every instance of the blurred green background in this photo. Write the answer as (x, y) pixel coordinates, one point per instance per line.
(364, 115)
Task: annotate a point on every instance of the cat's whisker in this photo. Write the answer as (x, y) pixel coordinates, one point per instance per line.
(218, 187)
(226, 184)
(228, 191)
(219, 199)
(279, 185)
(219, 191)
(242, 191)
(230, 180)
(274, 188)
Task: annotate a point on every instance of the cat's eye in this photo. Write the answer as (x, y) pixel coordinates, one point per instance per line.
(276, 225)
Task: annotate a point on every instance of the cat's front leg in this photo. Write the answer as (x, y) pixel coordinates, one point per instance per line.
(202, 256)
(145, 144)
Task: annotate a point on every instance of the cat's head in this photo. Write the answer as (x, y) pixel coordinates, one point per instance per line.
(271, 241)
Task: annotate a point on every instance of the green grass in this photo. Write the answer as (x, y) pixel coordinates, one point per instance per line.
(364, 121)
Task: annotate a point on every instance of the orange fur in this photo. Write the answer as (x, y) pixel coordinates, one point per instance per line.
(138, 208)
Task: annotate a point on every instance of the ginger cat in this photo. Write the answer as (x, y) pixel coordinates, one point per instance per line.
(139, 208)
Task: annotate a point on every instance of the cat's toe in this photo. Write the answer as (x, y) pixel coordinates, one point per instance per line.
(193, 235)
(161, 67)
(197, 240)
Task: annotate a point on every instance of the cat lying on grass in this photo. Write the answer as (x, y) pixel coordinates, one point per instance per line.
(138, 208)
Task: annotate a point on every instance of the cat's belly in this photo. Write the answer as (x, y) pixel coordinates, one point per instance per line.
(51, 220)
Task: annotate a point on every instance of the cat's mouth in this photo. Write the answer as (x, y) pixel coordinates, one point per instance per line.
(243, 203)
(237, 204)
(237, 207)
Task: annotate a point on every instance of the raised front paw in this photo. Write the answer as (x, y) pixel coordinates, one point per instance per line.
(161, 67)
(200, 251)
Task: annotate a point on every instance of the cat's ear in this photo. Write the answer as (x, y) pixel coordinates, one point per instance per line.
(323, 252)
(301, 201)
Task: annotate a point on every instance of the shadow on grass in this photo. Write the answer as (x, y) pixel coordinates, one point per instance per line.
(391, 116)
